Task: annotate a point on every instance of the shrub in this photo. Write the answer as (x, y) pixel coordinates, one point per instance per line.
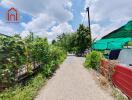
(39, 49)
(93, 60)
(12, 57)
(15, 53)
(55, 57)
(24, 92)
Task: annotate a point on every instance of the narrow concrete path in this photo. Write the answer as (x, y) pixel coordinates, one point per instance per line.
(72, 82)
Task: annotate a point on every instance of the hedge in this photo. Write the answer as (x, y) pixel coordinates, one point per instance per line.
(93, 60)
(16, 52)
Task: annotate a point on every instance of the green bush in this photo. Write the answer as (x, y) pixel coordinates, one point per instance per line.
(49, 56)
(93, 60)
(16, 52)
(24, 92)
(56, 56)
(12, 57)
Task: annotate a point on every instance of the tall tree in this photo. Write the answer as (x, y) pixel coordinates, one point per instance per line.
(83, 39)
(76, 42)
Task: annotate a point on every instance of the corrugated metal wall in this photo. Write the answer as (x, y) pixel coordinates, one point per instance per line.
(122, 78)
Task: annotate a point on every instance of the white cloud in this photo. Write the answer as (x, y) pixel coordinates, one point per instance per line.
(69, 4)
(59, 29)
(55, 30)
(99, 31)
(96, 28)
(42, 22)
(7, 3)
(24, 33)
(108, 15)
(54, 8)
(6, 29)
(47, 15)
(112, 10)
(63, 27)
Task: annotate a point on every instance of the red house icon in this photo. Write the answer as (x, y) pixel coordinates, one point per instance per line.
(12, 15)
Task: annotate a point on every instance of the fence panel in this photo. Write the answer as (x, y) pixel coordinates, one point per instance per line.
(122, 78)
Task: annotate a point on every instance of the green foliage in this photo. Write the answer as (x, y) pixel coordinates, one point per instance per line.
(39, 49)
(24, 92)
(64, 41)
(56, 56)
(129, 43)
(16, 52)
(93, 60)
(83, 39)
(76, 42)
(12, 56)
(119, 95)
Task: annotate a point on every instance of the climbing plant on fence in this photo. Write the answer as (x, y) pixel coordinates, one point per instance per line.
(16, 53)
(12, 56)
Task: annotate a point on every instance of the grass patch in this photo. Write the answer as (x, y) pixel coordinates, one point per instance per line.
(27, 92)
(119, 95)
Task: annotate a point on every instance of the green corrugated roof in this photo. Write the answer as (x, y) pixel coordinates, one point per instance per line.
(122, 32)
(115, 39)
(110, 44)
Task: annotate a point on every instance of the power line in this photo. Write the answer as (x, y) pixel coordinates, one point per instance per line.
(84, 18)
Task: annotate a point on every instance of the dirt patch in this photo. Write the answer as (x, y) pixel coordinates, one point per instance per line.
(108, 86)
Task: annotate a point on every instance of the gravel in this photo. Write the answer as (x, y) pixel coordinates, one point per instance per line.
(72, 82)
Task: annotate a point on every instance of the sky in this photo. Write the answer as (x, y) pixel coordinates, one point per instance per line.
(49, 18)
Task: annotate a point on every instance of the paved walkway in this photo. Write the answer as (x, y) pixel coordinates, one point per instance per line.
(72, 82)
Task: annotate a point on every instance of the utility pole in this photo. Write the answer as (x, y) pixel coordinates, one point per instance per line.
(87, 9)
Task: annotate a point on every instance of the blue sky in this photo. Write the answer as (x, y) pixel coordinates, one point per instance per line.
(49, 18)
(78, 7)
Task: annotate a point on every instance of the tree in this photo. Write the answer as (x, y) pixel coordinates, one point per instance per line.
(53, 42)
(76, 42)
(83, 39)
(63, 41)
